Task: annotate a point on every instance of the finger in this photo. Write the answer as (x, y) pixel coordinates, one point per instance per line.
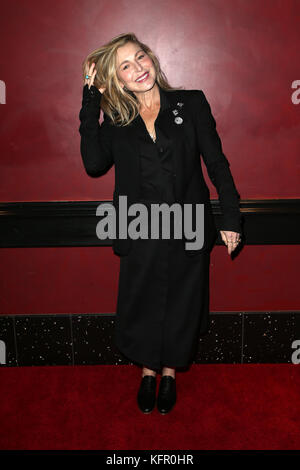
(225, 241)
(91, 80)
(90, 73)
(93, 77)
(86, 71)
(87, 68)
(91, 68)
(234, 245)
(224, 238)
(231, 246)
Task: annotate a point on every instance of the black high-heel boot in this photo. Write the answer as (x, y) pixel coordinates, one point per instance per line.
(146, 396)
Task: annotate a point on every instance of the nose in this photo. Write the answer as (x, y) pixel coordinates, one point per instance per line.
(138, 67)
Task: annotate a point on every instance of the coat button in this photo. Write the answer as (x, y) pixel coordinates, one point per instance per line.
(161, 149)
(174, 174)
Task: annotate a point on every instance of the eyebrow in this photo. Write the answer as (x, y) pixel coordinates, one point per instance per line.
(134, 56)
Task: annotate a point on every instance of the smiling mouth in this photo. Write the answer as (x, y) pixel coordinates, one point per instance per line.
(143, 77)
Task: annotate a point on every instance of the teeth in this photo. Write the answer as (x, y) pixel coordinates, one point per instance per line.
(142, 78)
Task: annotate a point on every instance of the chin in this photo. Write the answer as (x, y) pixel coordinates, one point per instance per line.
(146, 86)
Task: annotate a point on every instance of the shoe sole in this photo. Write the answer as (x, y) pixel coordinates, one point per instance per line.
(146, 412)
(165, 412)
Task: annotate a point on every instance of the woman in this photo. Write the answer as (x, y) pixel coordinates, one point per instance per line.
(154, 135)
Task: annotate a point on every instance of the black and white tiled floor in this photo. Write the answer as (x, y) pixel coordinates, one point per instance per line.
(233, 338)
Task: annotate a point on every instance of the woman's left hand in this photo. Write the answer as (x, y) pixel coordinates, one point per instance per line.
(231, 239)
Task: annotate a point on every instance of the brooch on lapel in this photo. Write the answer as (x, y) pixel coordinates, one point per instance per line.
(178, 119)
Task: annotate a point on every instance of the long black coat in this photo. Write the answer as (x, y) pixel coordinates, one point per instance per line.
(105, 145)
(163, 297)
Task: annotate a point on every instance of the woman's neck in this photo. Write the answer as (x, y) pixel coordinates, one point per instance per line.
(149, 100)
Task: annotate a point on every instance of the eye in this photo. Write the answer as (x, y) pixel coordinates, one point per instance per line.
(140, 57)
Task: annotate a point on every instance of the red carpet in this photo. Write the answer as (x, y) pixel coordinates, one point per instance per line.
(240, 407)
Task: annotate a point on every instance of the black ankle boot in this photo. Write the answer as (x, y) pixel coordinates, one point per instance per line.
(146, 396)
(166, 398)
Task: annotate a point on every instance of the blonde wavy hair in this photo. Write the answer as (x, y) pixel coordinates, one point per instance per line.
(120, 105)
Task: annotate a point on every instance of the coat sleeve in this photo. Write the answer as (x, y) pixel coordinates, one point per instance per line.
(95, 143)
(217, 165)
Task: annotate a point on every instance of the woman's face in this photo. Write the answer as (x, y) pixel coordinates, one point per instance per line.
(132, 63)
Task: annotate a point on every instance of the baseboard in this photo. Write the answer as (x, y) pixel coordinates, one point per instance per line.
(233, 338)
(73, 223)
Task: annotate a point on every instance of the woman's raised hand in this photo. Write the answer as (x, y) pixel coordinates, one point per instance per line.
(89, 70)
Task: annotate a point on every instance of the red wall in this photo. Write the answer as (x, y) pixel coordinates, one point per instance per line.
(84, 280)
(242, 54)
